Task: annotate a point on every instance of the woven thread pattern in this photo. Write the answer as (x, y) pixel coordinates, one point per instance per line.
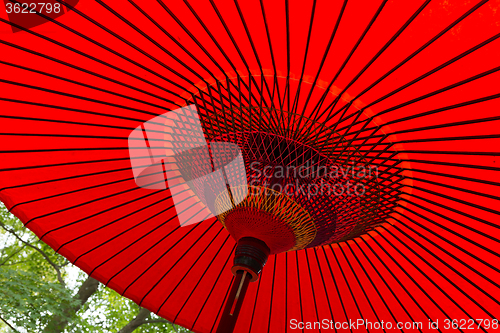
(267, 200)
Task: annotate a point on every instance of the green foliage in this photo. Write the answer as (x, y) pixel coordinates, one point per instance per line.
(31, 293)
(28, 301)
(107, 311)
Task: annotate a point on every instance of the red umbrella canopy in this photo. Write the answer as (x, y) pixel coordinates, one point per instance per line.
(407, 87)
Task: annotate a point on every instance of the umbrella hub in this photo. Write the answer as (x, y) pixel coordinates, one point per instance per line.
(269, 216)
(269, 228)
(250, 256)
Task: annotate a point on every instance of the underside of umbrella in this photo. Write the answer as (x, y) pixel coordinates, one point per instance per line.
(400, 98)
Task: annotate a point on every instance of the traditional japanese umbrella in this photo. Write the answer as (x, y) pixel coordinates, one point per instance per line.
(226, 96)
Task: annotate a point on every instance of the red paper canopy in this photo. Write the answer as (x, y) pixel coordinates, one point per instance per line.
(408, 86)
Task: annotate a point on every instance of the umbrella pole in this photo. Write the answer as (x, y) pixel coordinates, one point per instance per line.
(233, 305)
(250, 257)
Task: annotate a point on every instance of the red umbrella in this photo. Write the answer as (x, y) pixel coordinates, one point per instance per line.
(408, 88)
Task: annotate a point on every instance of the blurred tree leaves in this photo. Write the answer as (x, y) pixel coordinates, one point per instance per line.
(38, 285)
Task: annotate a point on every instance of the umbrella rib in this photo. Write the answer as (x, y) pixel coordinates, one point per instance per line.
(382, 279)
(274, 259)
(179, 22)
(214, 107)
(429, 152)
(385, 159)
(198, 43)
(116, 220)
(449, 62)
(212, 289)
(423, 47)
(455, 233)
(113, 222)
(68, 122)
(255, 303)
(232, 107)
(71, 109)
(327, 50)
(486, 195)
(104, 46)
(71, 192)
(347, 283)
(486, 235)
(117, 36)
(453, 221)
(189, 270)
(446, 108)
(214, 40)
(350, 142)
(298, 284)
(391, 272)
(90, 202)
(228, 288)
(436, 92)
(130, 263)
(203, 275)
(452, 256)
(286, 93)
(65, 178)
(457, 138)
(222, 104)
(166, 222)
(92, 58)
(431, 112)
(160, 27)
(76, 96)
(443, 276)
(84, 85)
(472, 166)
(71, 163)
(83, 70)
(297, 93)
(382, 50)
(464, 202)
(452, 209)
(251, 78)
(272, 53)
(143, 272)
(306, 253)
(371, 283)
(372, 60)
(461, 165)
(83, 204)
(130, 245)
(409, 276)
(335, 284)
(161, 47)
(324, 285)
(75, 136)
(130, 24)
(286, 288)
(316, 109)
(242, 18)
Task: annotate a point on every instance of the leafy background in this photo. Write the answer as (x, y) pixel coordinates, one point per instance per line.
(42, 292)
